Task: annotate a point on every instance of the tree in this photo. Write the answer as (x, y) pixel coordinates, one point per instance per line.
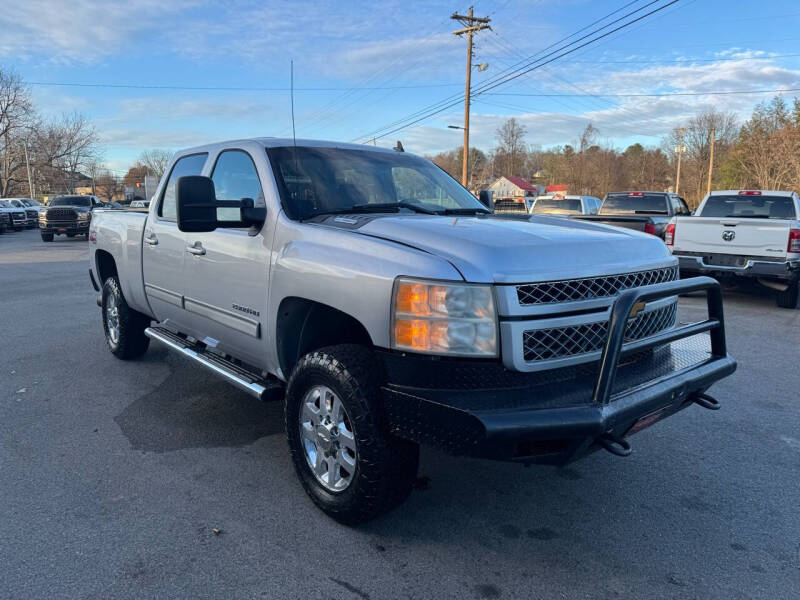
(155, 160)
(16, 114)
(509, 156)
(108, 186)
(65, 146)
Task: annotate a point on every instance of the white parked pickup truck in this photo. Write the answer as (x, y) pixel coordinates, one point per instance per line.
(396, 309)
(743, 233)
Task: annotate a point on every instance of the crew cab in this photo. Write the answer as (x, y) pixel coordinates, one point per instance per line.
(17, 219)
(743, 233)
(68, 215)
(565, 204)
(396, 309)
(649, 212)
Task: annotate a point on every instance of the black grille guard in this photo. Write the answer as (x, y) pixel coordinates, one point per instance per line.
(614, 351)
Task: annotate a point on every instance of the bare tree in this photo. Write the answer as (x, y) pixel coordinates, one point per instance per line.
(66, 146)
(108, 186)
(16, 113)
(511, 150)
(156, 160)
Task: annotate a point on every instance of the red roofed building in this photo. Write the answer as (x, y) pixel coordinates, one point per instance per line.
(514, 193)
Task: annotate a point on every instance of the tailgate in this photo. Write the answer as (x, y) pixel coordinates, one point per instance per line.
(747, 237)
(633, 222)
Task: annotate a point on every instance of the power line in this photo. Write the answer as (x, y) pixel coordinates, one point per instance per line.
(232, 88)
(659, 95)
(530, 66)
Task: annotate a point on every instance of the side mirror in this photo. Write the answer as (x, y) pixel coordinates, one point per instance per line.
(486, 197)
(196, 204)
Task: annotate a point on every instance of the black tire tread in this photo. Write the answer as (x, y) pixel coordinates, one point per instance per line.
(788, 298)
(387, 466)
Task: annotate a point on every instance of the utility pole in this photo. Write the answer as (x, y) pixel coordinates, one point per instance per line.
(681, 148)
(710, 161)
(472, 25)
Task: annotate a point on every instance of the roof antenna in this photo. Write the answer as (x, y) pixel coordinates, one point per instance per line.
(399, 147)
(294, 136)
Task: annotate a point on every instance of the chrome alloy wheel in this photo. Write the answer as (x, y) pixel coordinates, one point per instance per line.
(112, 317)
(328, 439)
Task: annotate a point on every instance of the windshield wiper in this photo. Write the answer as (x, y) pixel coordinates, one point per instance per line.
(465, 211)
(379, 207)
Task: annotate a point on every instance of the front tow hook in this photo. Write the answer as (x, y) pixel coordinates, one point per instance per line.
(707, 401)
(615, 445)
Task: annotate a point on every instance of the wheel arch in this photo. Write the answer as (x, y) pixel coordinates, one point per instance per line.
(305, 325)
(105, 266)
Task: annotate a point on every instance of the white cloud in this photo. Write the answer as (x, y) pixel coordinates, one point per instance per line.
(77, 30)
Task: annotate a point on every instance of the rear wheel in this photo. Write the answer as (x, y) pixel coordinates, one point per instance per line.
(47, 237)
(788, 298)
(347, 461)
(123, 326)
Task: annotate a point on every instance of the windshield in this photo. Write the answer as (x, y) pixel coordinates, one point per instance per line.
(71, 201)
(4, 204)
(616, 204)
(753, 207)
(553, 206)
(315, 181)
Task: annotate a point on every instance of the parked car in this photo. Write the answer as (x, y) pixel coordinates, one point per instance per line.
(560, 204)
(397, 310)
(140, 204)
(5, 220)
(69, 215)
(641, 211)
(113, 205)
(743, 233)
(17, 217)
(31, 213)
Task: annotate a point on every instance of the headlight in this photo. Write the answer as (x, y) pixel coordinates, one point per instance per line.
(84, 216)
(444, 318)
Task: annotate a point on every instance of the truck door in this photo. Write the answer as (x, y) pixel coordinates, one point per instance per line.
(164, 248)
(227, 270)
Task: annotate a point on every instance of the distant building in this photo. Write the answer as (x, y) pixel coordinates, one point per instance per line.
(142, 190)
(514, 194)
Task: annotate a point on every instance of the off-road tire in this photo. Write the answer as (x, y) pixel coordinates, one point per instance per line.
(70, 235)
(386, 466)
(132, 340)
(788, 298)
(47, 237)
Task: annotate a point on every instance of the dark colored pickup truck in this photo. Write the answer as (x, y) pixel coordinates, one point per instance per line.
(642, 211)
(69, 215)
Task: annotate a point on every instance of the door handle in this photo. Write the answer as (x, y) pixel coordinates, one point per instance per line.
(151, 239)
(196, 249)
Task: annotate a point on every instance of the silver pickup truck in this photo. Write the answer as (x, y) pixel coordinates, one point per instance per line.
(396, 309)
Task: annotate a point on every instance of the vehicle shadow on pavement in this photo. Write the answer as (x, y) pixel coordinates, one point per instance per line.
(191, 409)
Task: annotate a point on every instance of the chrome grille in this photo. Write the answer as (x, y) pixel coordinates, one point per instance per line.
(32, 214)
(563, 342)
(18, 217)
(549, 292)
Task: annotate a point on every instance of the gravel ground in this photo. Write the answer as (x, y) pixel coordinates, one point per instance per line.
(113, 476)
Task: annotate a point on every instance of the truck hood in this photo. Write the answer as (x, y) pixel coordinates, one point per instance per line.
(499, 250)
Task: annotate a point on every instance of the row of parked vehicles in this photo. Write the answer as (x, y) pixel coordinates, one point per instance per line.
(68, 215)
(18, 213)
(732, 234)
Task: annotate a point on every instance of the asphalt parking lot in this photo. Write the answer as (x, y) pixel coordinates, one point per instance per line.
(113, 476)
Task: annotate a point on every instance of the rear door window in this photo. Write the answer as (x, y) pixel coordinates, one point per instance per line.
(186, 165)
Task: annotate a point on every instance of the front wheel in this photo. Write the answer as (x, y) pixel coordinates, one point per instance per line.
(47, 237)
(788, 298)
(347, 461)
(123, 326)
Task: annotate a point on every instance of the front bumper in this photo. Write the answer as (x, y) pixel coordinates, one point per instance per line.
(69, 227)
(746, 267)
(558, 416)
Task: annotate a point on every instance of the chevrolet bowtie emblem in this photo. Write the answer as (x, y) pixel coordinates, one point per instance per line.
(636, 309)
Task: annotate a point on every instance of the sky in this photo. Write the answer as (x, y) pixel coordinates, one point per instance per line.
(359, 67)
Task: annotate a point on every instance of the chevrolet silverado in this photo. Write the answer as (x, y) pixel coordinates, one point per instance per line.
(395, 309)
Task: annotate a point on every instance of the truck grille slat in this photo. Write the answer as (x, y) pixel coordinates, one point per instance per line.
(562, 342)
(549, 292)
